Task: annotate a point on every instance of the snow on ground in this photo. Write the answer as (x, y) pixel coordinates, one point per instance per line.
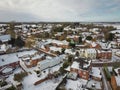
(114, 57)
(116, 26)
(29, 81)
(69, 51)
(116, 31)
(10, 78)
(76, 85)
(10, 58)
(118, 53)
(55, 48)
(48, 84)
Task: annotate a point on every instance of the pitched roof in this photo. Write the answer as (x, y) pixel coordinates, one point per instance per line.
(5, 38)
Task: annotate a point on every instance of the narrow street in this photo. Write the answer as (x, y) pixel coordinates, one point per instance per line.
(105, 82)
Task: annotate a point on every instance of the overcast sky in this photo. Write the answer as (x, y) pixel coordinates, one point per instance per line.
(59, 10)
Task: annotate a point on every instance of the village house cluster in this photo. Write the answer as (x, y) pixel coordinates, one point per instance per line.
(59, 56)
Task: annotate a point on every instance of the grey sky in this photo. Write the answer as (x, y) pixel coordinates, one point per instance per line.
(60, 10)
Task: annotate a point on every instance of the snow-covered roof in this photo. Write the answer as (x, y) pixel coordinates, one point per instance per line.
(117, 80)
(14, 57)
(59, 33)
(116, 31)
(28, 82)
(72, 75)
(87, 65)
(64, 42)
(94, 44)
(72, 36)
(75, 84)
(55, 48)
(5, 38)
(61, 57)
(69, 51)
(96, 72)
(105, 45)
(86, 33)
(68, 68)
(8, 69)
(37, 56)
(116, 70)
(50, 62)
(75, 65)
(118, 53)
(47, 30)
(3, 47)
(90, 50)
(9, 58)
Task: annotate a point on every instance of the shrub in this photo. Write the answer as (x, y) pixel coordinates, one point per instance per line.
(89, 38)
(107, 73)
(19, 76)
(11, 88)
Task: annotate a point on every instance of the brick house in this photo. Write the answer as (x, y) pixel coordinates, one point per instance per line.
(12, 64)
(104, 54)
(31, 61)
(82, 67)
(83, 74)
(13, 60)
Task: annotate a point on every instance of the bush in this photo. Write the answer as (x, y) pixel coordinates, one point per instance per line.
(62, 71)
(37, 71)
(89, 38)
(65, 64)
(3, 83)
(11, 88)
(19, 42)
(19, 76)
(107, 73)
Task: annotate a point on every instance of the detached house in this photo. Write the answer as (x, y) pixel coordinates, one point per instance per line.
(82, 67)
(32, 60)
(12, 60)
(104, 54)
(88, 53)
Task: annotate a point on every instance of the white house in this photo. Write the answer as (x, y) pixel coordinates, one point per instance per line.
(88, 53)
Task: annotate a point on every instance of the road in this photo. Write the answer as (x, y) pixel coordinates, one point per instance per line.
(105, 82)
(104, 79)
